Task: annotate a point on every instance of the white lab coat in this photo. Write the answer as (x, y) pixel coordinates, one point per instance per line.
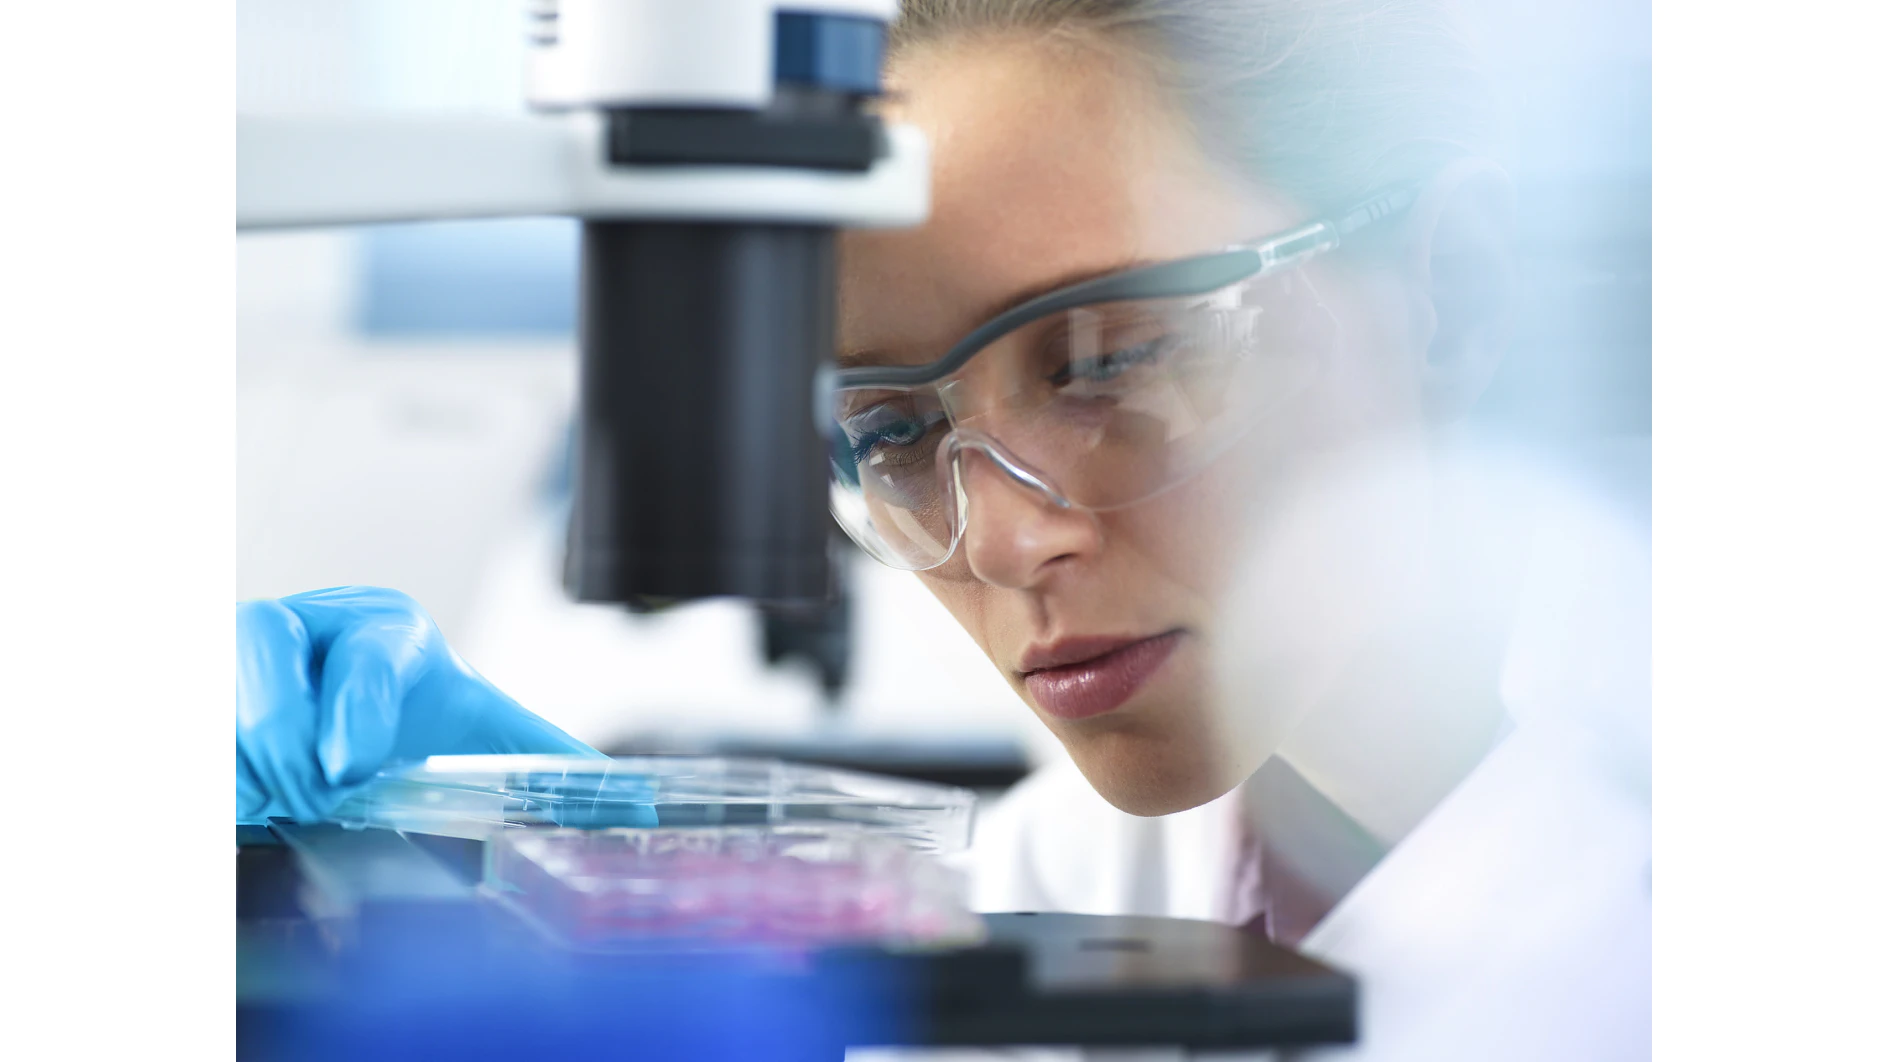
(1514, 921)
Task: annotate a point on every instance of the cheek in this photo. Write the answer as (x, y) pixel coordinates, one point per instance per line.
(1185, 537)
(1370, 379)
(1193, 535)
(1372, 388)
(965, 597)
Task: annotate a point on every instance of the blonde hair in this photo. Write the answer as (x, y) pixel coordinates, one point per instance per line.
(1323, 100)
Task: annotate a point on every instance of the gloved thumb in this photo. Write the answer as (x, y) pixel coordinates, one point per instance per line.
(365, 678)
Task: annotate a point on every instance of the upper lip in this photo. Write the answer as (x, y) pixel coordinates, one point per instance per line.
(1065, 651)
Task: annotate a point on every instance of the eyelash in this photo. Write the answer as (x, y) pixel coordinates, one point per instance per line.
(863, 445)
(1143, 353)
(1090, 371)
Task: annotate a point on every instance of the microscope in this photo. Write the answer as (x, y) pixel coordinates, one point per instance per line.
(711, 150)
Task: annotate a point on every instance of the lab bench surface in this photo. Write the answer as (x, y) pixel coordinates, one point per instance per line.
(440, 969)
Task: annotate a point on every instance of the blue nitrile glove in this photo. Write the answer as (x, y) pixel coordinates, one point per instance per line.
(333, 684)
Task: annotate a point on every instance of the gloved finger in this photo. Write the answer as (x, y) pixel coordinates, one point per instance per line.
(504, 726)
(525, 732)
(252, 800)
(329, 613)
(275, 709)
(365, 678)
(491, 721)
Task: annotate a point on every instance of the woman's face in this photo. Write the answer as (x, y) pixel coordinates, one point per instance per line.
(1053, 163)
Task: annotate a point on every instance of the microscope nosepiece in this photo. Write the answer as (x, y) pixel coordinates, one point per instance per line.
(700, 469)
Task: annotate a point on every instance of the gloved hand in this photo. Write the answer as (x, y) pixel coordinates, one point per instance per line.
(333, 684)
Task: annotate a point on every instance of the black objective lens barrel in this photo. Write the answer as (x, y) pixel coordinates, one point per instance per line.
(700, 471)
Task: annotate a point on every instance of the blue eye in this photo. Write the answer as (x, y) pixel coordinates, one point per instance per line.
(1105, 368)
(902, 433)
(886, 429)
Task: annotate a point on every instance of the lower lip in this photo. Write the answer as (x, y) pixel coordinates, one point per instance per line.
(1079, 691)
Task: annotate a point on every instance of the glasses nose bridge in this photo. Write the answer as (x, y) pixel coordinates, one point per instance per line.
(964, 441)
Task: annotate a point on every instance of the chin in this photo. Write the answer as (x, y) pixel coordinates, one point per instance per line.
(1148, 770)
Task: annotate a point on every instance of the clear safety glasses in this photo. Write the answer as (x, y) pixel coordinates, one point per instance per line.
(1097, 396)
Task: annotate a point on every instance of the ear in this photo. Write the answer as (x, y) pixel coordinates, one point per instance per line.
(1463, 264)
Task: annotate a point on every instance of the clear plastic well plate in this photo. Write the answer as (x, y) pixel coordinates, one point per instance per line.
(479, 796)
(735, 884)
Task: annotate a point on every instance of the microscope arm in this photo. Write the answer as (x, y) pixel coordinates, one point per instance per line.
(334, 170)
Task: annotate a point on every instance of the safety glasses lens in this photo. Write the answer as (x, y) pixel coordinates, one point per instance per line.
(1109, 403)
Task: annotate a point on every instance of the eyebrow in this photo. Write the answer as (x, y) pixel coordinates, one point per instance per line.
(848, 359)
(852, 359)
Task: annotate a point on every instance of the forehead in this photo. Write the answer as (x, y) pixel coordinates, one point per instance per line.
(1048, 160)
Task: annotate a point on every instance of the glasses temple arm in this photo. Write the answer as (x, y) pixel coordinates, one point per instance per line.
(1321, 236)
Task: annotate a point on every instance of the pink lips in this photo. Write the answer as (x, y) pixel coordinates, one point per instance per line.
(1085, 677)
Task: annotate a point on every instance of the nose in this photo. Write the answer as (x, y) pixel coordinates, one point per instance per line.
(1015, 534)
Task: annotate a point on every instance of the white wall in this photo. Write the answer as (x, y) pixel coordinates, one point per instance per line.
(315, 55)
(359, 462)
(396, 465)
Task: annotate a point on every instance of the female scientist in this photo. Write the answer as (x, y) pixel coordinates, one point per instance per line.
(1121, 403)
